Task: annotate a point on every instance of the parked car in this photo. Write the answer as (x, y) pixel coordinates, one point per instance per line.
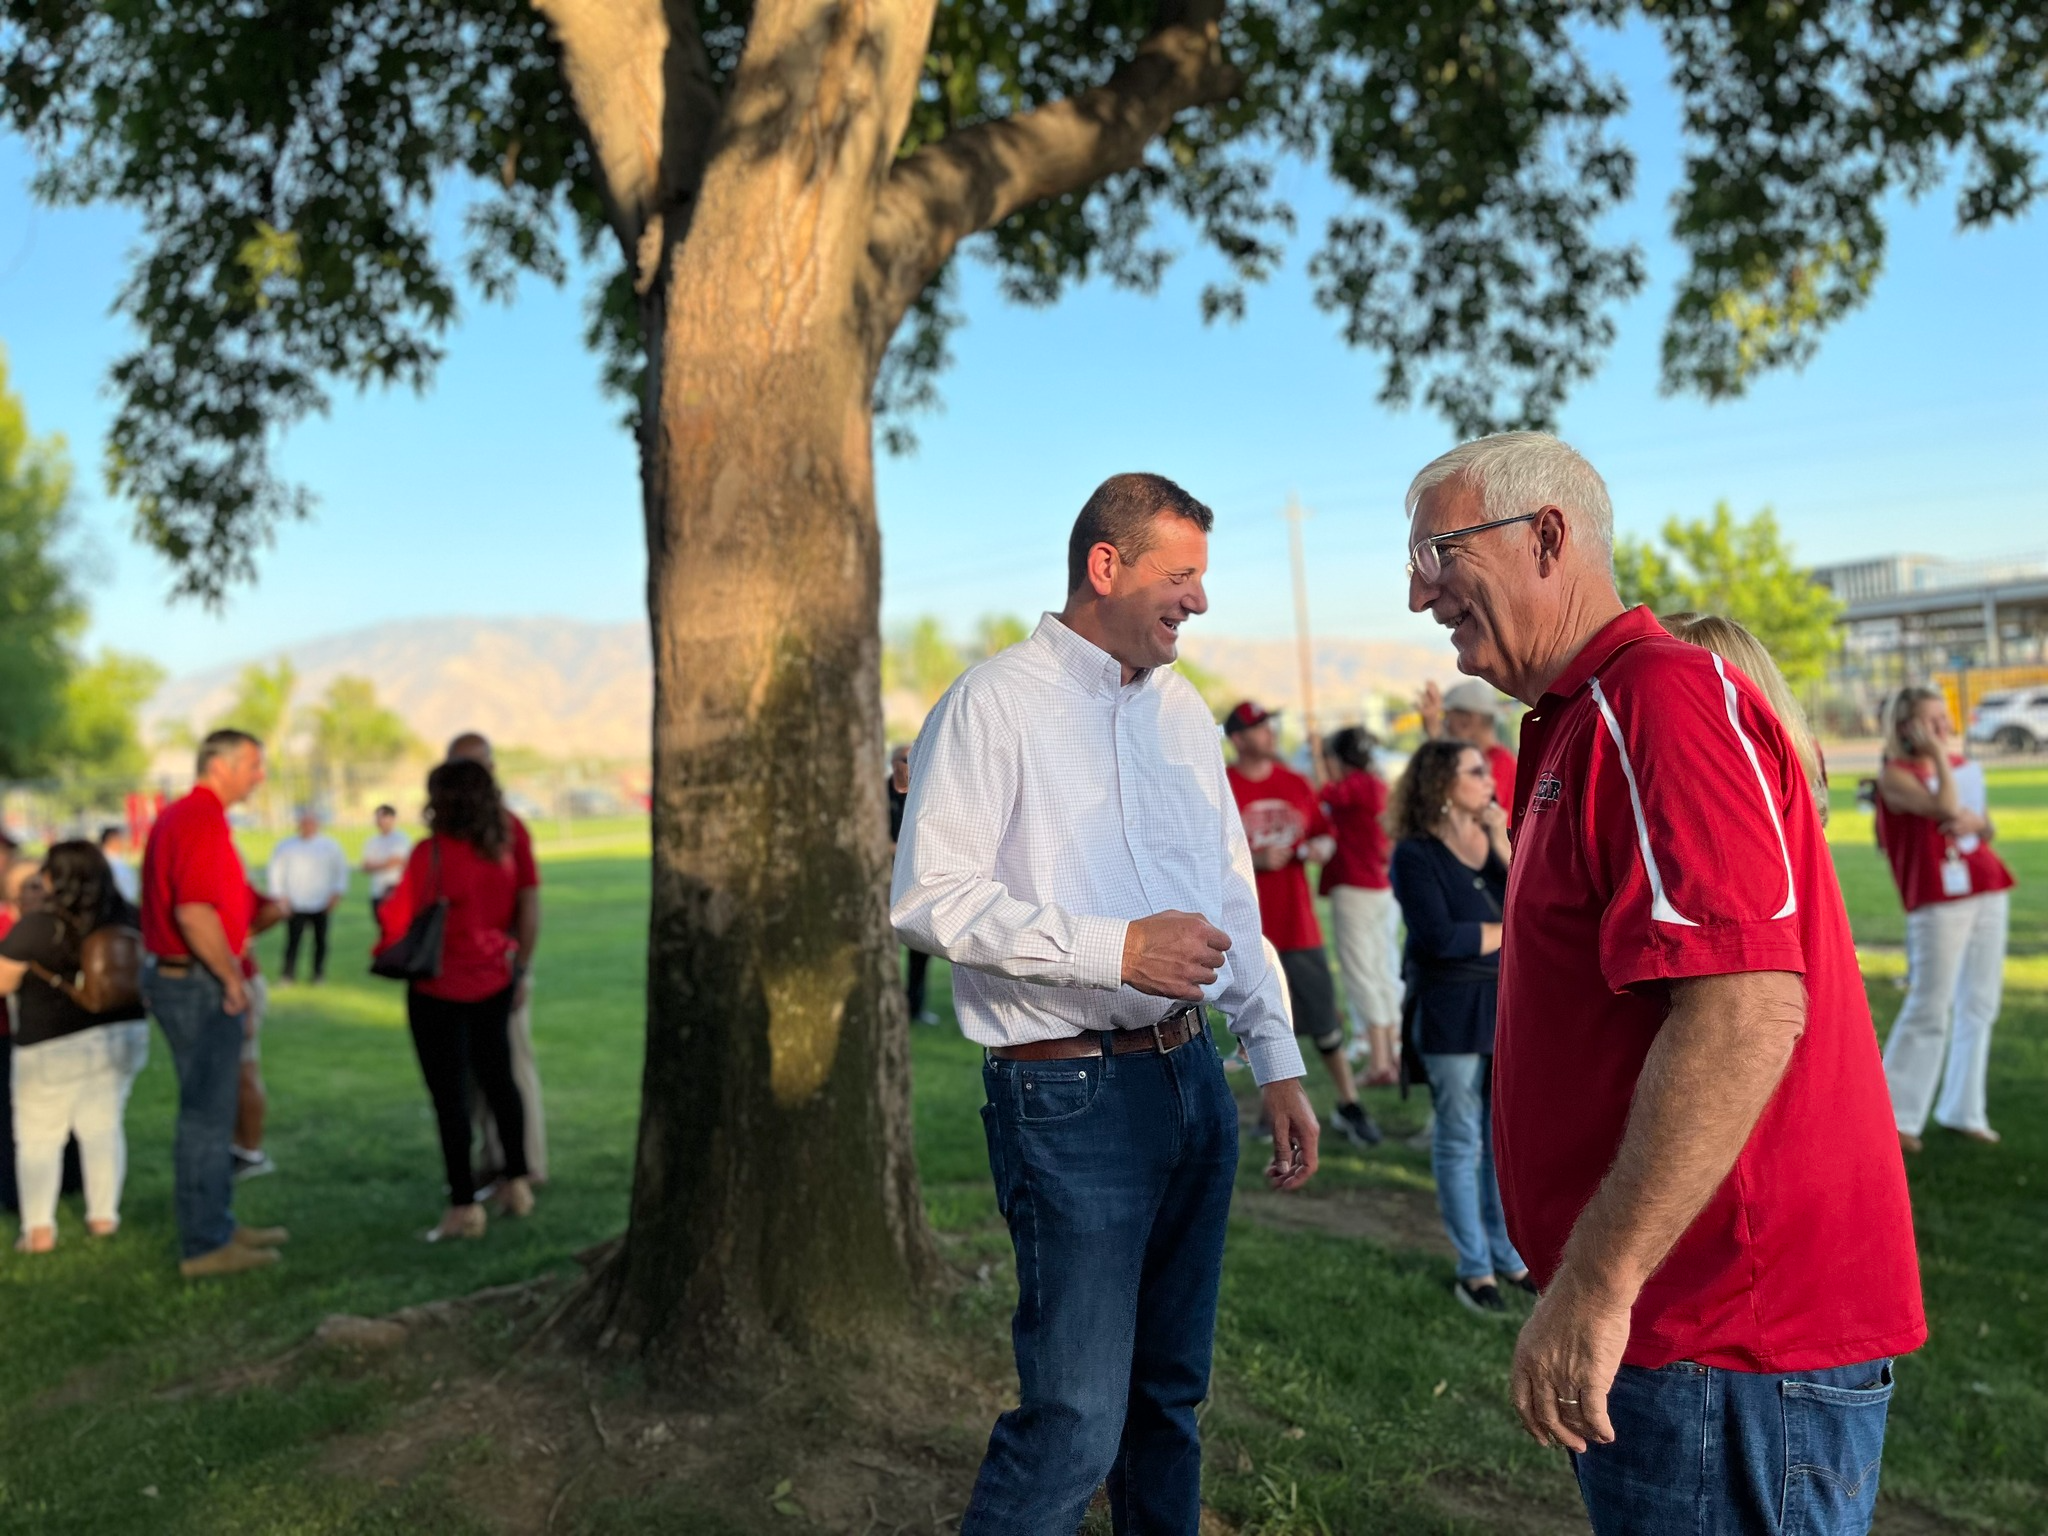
(2016, 719)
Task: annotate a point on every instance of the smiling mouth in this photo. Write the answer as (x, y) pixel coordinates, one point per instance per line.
(1171, 625)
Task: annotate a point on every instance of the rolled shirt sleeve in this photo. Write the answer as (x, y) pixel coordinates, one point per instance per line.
(1690, 784)
(945, 898)
(1251, 997)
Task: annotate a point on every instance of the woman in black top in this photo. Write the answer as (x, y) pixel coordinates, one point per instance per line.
(72, 1069)
(1450, 874)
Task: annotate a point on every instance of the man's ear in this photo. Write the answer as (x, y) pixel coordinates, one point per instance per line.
(1552, 535)
(1103, 564)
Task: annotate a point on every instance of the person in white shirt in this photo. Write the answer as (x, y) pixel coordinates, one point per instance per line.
(308, 877)
(1071, 845)
(127, 878)
(384, 856)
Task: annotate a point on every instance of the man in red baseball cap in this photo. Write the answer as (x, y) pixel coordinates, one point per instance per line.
(1691, 1126)
(1286, 827)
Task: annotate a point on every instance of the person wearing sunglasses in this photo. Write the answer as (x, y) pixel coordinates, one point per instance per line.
(1691, 1128)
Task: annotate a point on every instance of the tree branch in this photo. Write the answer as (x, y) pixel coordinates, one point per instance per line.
(641, 81)
(975, 178)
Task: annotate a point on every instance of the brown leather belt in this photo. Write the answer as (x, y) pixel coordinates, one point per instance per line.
(1165, 1037)
(173, 968)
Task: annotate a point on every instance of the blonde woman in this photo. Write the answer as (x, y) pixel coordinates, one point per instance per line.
(1731, 642)
(1933, 827)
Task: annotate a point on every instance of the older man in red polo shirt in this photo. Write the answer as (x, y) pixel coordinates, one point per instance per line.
(1694, 1141)
(198, 912)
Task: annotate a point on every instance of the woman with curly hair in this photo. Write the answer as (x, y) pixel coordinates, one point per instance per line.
(460, 1017)
(1450, 875)
(72, 1068)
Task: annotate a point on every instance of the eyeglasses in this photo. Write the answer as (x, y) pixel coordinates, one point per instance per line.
(1479, 772)
(1426, 560)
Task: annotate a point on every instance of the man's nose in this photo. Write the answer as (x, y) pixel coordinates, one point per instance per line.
(1421, 593)
(1195, 600)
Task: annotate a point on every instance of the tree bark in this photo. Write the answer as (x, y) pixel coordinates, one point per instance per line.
(775, 243)
(775, 1192)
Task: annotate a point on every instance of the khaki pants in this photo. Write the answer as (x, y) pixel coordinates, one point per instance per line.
(527, 1075)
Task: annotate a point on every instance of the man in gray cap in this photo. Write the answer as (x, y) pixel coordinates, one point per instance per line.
(1467, 713)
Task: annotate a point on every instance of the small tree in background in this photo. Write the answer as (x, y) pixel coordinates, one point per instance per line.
(355, 736)
(99, 748)
(262, 704)
(41, 612)
(1742, 571)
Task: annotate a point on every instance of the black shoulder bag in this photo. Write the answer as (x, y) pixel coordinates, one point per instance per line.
(417, 955)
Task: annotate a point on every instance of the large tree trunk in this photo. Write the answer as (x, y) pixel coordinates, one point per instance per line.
(775, 1195)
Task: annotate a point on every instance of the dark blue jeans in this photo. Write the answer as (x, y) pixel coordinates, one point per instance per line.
(1114, 1173)
(206, 1050)
(1705, 1452)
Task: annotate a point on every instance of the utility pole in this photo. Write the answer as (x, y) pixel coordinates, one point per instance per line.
(1296, 514)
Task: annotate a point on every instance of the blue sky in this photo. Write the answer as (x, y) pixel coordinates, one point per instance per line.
(510, 488)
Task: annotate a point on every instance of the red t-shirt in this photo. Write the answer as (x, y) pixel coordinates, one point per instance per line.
(1669, 832)
(191, 860)
(1281, 811)
(1502, 762)
(1920, 854)
(525, 873)
(1355, 804)
(483, 896)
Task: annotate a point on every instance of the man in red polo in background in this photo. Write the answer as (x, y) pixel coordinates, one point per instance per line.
(198, 913)
(1694, 1140)
(1285, 825)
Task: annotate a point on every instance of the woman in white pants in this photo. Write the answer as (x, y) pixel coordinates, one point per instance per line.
(1362, 910)
(1933, 827)
(72, 1069)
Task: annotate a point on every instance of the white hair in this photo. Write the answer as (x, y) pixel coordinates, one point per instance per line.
(1517, 472)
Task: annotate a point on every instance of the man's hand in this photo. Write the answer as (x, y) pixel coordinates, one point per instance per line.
(1430, 705)
(1173, 954)
(1565, 1362)
(234, 997)
(1295, 1133)
(1272, 856)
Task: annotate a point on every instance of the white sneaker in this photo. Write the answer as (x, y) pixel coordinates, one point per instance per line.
(251, 1165)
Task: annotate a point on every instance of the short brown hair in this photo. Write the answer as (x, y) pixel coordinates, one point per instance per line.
(1120, 515)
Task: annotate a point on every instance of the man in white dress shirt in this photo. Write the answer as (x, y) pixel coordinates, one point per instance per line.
(384, 856)
(1071, 846)
(308, 877)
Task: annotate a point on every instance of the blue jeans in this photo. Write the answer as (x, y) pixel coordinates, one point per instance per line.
(1114, 1173)
(1461, 1158)
(1704, 1452)
(206, 1049)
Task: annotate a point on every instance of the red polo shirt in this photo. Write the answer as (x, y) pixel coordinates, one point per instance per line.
(1281, 811)
(1667, 831)
(191, 860)
(1922, 855)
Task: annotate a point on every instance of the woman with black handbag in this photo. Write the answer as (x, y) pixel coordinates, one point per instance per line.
(1450, 874)
(447, 931)
(80, 1042)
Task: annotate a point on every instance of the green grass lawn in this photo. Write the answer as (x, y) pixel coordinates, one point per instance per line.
(1352, 1393)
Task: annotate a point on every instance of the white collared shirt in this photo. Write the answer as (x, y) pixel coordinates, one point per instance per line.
(1051, 803)
(307, 873)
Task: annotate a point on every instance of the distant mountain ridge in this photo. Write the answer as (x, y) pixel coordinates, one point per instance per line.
(569, 688)
(560, 686)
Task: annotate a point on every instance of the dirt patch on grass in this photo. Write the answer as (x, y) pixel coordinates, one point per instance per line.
(1520, 1508)
(1394, 1218)
(547, 1443)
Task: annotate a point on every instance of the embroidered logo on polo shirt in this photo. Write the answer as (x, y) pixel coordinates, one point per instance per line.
(1548, 793)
